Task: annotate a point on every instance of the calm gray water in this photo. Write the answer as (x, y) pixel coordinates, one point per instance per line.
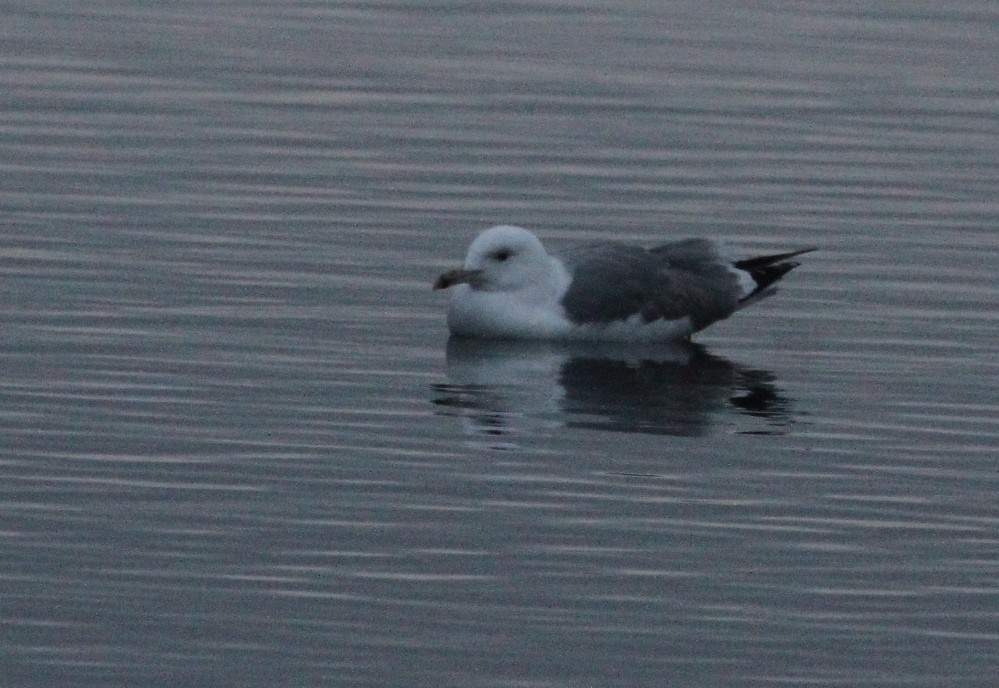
(238, 449)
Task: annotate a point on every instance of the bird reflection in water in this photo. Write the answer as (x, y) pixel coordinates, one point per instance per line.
(503, 391)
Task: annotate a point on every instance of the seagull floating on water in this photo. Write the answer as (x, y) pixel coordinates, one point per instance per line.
(510, 287)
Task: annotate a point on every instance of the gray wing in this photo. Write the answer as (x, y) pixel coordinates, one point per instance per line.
(612, 281)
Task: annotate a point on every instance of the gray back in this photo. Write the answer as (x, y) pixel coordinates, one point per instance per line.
(612, 281)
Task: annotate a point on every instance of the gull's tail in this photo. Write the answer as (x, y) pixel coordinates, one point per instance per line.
(766, 270)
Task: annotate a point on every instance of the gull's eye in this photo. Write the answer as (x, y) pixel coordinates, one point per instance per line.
(501, 255)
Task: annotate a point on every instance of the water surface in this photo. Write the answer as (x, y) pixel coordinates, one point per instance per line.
(239, 449)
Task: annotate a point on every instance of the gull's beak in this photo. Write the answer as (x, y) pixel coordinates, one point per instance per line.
(453, 277)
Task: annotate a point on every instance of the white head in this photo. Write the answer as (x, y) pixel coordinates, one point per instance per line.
(509, 287)
(504, 259)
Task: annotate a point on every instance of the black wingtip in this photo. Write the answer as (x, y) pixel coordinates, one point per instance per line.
(749, 264)
(766, 270)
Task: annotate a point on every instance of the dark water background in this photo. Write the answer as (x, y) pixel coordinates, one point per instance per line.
(238, 449)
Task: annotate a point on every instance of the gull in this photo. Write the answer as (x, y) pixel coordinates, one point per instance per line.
(510, 287)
